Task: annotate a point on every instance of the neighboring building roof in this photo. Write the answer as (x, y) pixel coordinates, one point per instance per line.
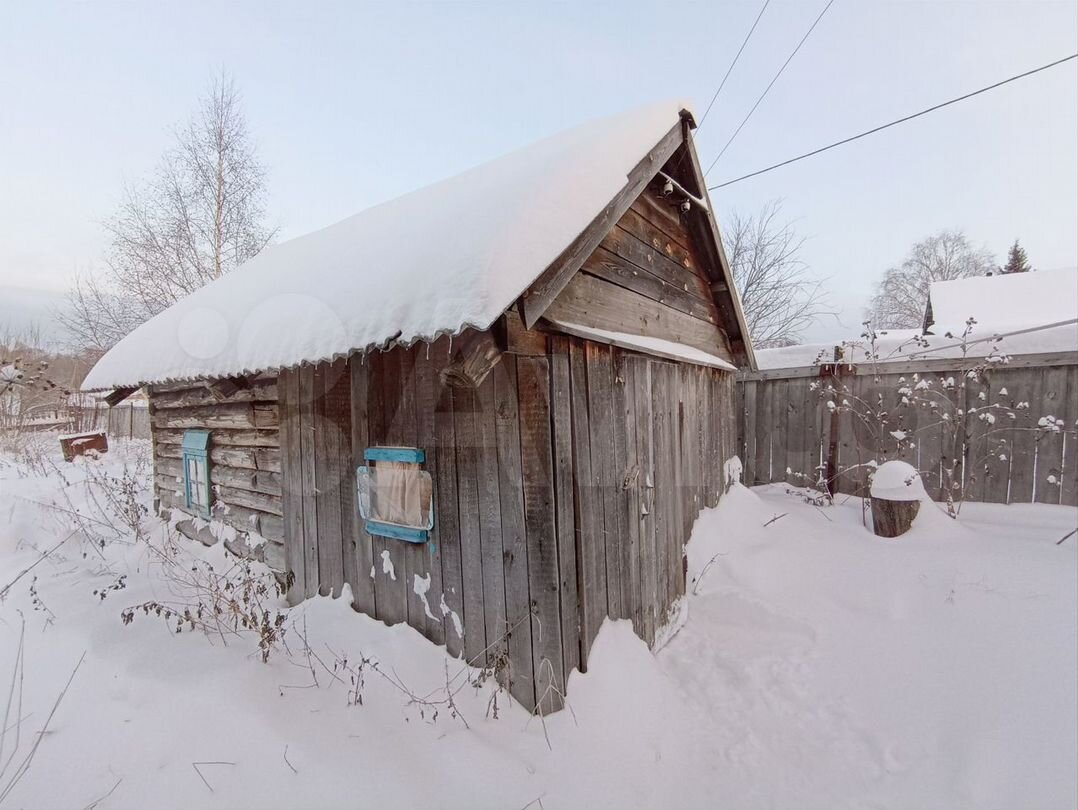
(452, 255)
(1003, 303)
(1028, 312)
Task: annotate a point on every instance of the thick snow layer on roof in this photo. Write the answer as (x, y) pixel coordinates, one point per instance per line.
(1005, 302)
(648, 345)
(451, 255)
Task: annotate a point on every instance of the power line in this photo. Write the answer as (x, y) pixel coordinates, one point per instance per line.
(730, 69)
(769, 86)
(895, 122)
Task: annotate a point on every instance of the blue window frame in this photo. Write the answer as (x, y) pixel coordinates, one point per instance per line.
(196, 471)
(395, 493)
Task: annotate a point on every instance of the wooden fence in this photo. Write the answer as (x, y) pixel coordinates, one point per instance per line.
(1006, 435)
(127, 421)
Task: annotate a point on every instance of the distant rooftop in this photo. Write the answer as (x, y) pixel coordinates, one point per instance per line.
(1004, 303)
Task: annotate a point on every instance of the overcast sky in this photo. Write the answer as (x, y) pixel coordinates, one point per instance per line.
(353, 104)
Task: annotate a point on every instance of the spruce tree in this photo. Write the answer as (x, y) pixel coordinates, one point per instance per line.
(1016, 260)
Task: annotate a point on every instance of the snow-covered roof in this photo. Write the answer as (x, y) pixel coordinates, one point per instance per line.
(454, 254)
(1005, 303)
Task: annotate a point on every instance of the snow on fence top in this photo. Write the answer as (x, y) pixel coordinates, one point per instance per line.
(1005, 302)
(454, 254)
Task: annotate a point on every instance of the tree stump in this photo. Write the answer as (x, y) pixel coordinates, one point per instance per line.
(897, 492)
(893, 518)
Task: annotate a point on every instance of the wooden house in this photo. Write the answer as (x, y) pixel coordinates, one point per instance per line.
(492, 407)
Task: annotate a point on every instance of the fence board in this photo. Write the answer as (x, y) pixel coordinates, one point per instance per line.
(747, 423)
(1000, 438)
(1069, 491)
(997, 461)
(765, 397)
(1050, 448)
(1025, 386)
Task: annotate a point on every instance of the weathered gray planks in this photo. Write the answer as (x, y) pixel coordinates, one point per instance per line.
(391, 587)
(329, 412)
(565, 520)
(471, 550)
(292, 501)
(490, 524)
(565, 489)
(599, 367)
(543, 575)
(514, 539)
(998, 459)
(1049, 476)
(627, 490)
(591, 301)
(361, 577)
(427, 390)
(590, 552)
(1069, 415)
(309, 382)
(447, 517)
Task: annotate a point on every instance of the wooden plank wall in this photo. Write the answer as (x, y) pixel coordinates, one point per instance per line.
(646, 278)
(648, 440)
(565, 488)
(319, 476)
(782, 424)
(245, 456)
(492, 550)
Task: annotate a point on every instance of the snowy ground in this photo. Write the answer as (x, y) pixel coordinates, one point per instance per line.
(818, 667)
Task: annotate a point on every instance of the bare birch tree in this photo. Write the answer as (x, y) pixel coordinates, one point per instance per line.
(200, 215)
(778, 294)
(901, 295)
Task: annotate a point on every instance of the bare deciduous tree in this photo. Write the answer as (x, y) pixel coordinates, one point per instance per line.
(901, 295)
(199, 216)
(779, 296)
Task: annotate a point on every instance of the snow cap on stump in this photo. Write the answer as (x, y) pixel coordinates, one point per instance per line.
(897, 493)
(898, 481)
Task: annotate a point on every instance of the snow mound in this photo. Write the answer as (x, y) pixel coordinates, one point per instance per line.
(898, 481)
(448, 256)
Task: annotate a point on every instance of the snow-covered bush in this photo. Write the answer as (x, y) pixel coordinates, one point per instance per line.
(891, 416)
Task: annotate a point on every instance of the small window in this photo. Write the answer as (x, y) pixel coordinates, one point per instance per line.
(396, 495)
(196, 471)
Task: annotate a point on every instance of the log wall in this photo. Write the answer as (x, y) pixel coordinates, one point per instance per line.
(565, 488)
(245, 458)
